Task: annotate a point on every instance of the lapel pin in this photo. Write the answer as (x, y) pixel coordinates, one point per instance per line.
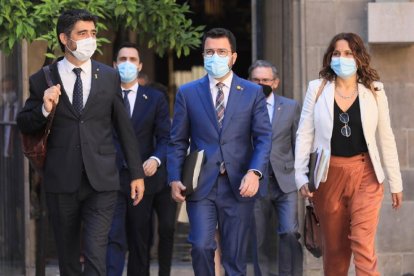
(145, 96)
(278, 108)
(238, 87)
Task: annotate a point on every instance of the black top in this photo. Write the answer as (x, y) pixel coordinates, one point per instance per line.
(354, 144)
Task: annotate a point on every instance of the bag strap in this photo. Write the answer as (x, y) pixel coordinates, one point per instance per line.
(320, 90)
(47, 73)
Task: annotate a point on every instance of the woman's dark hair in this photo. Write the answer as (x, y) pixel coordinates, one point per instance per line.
(218, 33)
(365, 74)
(68, 19)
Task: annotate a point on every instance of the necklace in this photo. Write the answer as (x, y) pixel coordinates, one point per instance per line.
(346, 97)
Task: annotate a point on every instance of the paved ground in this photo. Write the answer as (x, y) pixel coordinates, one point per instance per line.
(178, 269)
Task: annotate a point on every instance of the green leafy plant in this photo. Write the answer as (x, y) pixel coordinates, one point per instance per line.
(162, 22)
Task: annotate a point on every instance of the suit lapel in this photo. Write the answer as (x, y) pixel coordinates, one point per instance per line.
(203, 90)
(64, 98)
(277, 109)
(236, 92)
(94, 86)
(328, 94)
(363, 103)
(140, 100)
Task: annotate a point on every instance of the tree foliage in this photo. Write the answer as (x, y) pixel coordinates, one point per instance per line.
(162, 22)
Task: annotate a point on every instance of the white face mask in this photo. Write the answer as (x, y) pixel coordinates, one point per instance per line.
(85, 48)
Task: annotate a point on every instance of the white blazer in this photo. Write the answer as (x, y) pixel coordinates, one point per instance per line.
(316, 124)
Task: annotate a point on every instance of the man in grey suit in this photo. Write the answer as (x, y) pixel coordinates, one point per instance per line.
(282, 195)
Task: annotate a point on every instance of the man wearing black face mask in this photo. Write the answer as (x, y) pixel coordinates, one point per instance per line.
(282, 197)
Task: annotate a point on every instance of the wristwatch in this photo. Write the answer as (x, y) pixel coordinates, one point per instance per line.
(257, 173)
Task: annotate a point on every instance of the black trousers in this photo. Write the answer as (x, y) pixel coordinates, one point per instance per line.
(139, 229)
(93, 211)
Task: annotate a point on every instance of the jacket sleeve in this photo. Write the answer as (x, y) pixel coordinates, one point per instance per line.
(30, 119)
(386, 141)
(295, 125)
(179, 139)
(305, 135)
(162, 129)
(261, 134)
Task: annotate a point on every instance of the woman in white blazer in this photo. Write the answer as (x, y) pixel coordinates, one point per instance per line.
(344, 120)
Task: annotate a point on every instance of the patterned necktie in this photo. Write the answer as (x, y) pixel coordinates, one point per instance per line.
(77, 100)
(126, 101)
(220, 104)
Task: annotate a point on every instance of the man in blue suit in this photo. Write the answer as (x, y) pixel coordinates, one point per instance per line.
(225, 116)
(132, 225)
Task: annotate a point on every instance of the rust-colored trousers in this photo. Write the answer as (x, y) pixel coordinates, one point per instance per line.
(348, 206)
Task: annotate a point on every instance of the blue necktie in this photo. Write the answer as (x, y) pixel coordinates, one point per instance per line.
(126, 101)
(77, 100)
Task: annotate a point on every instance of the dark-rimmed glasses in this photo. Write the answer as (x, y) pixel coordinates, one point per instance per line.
(345, 130)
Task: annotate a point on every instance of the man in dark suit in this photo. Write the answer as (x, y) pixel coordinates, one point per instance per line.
(282, 195)
(225, 116)
(80, 175)
(132, 225)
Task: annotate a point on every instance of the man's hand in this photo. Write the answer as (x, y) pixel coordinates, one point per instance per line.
(150, 166)
(51, 96)
(137, 190)
(177, 189)
(397, 200)
(304, 191)
(249, 184)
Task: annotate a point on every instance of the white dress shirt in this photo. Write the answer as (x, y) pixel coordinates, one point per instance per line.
(132, 95)
(226, 88)
(270, 105)
(68, 77)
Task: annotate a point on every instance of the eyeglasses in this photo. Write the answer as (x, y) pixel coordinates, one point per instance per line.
(345, 130)
(220, 52)
(262, 80)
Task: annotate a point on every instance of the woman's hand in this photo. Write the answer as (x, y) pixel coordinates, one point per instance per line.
(304, 191)
(397, 200)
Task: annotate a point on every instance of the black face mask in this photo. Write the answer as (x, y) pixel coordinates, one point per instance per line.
(267, 90)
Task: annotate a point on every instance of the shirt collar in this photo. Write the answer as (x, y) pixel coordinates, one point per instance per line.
(86, 66)
(133, 88)
(271, 100)
(227, 81)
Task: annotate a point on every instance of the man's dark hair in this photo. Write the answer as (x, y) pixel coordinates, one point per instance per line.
(67, 20)
(126, 45)
(218, 33)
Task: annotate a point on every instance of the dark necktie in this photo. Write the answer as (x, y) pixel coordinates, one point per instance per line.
(220, 115)
(220, 104)
(77, 100)
(126, 101)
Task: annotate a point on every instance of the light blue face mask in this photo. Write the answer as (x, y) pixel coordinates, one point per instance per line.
(127, 71)
(216, 66)
(343, 67)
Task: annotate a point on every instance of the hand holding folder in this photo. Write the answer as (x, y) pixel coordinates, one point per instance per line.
(318, 162)
(191, 170)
